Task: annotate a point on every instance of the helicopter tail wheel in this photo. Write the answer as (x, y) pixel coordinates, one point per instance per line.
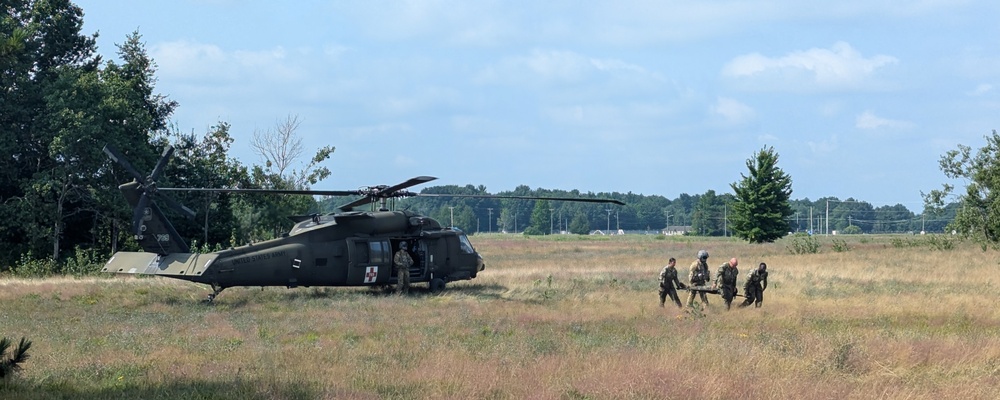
(437, 285)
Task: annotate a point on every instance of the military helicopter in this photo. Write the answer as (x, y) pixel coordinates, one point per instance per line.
(346, 248)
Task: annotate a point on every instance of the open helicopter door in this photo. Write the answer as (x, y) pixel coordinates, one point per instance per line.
(369, 261)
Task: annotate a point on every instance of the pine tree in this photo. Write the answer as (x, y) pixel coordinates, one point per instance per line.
(761, 209)
(9, 365)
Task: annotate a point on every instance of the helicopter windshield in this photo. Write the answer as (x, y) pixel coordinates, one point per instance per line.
(466, 245)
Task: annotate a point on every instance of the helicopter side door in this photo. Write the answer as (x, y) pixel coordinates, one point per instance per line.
(369, 261)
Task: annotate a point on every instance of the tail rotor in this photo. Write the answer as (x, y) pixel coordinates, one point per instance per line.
(146, 215)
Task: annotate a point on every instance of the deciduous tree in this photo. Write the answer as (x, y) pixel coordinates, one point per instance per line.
(978, 214)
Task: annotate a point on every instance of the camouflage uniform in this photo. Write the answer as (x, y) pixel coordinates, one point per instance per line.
(668, 280)
(699, 276)
(753, 289)
(402, 261)
(726, 279)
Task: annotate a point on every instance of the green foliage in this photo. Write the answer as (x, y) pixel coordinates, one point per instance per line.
(851, 230)
(580, 224)
(83, 262)
(840, 245)
(978, 216)
(29, 266)
(541, 218)
(803, 244)
(708, 216)
(761, 210)
(933, 242)
(532, 231)
(940, 242)
(14, 362)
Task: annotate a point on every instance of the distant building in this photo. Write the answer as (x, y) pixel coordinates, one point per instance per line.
(676, 230)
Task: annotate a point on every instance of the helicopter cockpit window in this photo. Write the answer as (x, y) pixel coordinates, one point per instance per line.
(465, 245)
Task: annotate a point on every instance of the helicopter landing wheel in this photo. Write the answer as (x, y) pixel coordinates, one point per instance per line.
(216, 289)
(437, 285)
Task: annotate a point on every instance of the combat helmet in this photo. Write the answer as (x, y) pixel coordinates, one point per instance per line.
(702, 254)
(762, 267)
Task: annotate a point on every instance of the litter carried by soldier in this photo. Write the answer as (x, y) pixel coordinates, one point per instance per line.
(669, 284)
(699, 276)
(754, 287)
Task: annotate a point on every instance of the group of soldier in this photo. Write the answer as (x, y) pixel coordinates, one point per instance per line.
(725, 282)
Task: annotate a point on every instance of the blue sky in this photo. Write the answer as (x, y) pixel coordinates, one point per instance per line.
(859, 98)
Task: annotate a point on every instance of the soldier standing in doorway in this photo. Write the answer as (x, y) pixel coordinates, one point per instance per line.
(699, 276)
(402, 261)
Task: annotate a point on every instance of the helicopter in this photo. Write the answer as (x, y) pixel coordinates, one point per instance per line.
(345, 248)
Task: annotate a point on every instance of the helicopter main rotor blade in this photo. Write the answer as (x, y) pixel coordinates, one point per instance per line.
(411, 182)
(355, 203)
(186, 212)
(161, 163)
(373, 193)
(117, 157)
(269, 191)
(490, 196)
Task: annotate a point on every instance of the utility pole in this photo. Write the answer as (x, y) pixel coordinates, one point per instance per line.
(451, 209)
(491, 219)
(828, 217)
(551, 211)
(609, 221)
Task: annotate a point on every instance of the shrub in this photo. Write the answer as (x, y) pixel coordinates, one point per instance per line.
(29, 266)
(840, 245)
(83, 262)
(803, 244)
(938, 242)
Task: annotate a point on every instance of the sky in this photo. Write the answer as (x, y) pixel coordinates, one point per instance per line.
(859, 98)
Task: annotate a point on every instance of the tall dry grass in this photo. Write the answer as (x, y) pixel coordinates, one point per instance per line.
(551, 318)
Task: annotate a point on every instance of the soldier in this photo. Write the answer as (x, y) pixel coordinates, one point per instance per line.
(402, 261)
(699, 276)
(753, 289)
(725, 280)
(668, 280)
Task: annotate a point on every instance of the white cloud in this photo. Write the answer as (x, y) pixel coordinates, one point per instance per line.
(768, 138)
(868, 120)
(555, 66)
(206, 62)
(825, 146)
(733, 111)
(837, 68)
(981, 89)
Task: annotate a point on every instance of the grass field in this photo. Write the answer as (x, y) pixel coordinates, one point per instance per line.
(551, 318)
